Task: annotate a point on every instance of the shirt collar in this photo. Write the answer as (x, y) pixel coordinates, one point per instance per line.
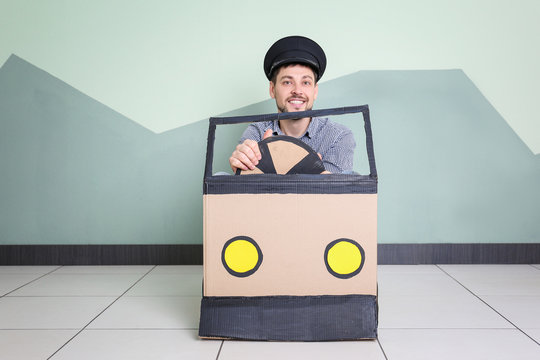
(275, 128)
(312, 128)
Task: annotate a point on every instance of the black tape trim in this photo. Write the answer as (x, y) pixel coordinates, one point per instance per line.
(291, 184)
(364, 109)
(266, 165)
(311, 164)
(290, 318)
(209, 150)
(287, 115)
(369, 145)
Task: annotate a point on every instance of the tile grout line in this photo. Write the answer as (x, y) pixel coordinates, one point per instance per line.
(28, 283)
(220, 347)
(382, 349)
(98, 315)
(491, 307)
(534, 267)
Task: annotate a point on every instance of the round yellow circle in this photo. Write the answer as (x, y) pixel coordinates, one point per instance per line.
(241, 256)
(344, 258)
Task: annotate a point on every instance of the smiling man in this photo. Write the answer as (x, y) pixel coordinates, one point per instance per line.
(294, 65)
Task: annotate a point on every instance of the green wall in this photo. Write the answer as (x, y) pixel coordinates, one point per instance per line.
(170, 63)
(104, 108)
(77, 172)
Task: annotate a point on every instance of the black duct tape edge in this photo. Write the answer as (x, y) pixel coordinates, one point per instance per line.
(364, 109)
(291, 184)
(290, 318)
(289, 115)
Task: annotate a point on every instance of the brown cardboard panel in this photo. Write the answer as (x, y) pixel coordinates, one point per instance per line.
(292, 232)
(285, 155)
(251, 172)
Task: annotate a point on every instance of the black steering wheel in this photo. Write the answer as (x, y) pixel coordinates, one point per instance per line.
(285, 155)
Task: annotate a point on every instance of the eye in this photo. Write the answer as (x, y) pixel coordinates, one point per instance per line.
(344, 258)
(241, 256)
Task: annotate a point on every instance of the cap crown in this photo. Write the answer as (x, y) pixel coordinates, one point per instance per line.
(295, 49)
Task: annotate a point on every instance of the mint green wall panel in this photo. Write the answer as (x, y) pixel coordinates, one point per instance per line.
(76, 172)
(451, 169)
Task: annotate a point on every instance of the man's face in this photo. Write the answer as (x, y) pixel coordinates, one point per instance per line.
(295, 88)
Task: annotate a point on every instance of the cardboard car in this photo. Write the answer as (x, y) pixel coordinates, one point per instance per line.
(290, 256)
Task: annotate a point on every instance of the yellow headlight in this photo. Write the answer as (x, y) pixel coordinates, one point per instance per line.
(241, 256)
(344, 258)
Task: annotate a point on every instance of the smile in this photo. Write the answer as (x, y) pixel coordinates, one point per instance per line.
(296, 101)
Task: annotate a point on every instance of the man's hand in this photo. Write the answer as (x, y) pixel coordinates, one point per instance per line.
(247, 155)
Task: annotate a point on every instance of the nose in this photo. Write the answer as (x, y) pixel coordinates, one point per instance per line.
(297, 90)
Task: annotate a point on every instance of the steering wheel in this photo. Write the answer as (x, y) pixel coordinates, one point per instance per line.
(285, 155)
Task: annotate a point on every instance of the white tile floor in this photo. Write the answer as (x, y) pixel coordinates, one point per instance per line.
(152, 312)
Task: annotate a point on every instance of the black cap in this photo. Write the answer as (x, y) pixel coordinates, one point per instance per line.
(295, 49)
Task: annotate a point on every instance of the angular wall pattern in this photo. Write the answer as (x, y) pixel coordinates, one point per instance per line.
(75, 171)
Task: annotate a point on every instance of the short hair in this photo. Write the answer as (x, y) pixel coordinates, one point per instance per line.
(273, 78)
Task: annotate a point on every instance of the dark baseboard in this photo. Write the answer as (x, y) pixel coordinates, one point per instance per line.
(100, 254)
(398, 254)
(410, 254)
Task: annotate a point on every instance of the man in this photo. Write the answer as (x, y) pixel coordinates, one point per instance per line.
(294, 66)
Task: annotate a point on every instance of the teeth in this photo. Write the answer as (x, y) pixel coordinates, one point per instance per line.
(296, 102)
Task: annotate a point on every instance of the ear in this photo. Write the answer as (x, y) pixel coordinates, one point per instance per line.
(271, 90)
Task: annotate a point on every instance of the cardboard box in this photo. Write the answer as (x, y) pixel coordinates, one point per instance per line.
(303, 265)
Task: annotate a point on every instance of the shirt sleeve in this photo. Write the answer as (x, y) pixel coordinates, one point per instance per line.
(255, 131)
(339, 157)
